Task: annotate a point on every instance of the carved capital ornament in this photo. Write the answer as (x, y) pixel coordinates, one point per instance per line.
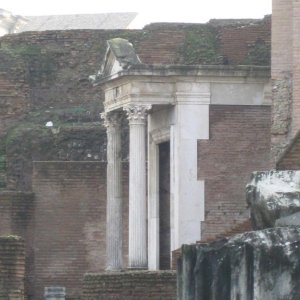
(111, 119)
(137, 113)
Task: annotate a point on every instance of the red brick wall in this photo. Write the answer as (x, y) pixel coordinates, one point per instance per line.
(17, 218)
(296, 68)
(161, 45)
(14, 90)
(285, 74)
(70, 218)
(282, 60)
(16, 212)
(44, 77)
(12, 270)
(237, 40)
(282, 66)
(290, 159)
(50, 69)
(134, 285)
(238, 145)
(14, 99)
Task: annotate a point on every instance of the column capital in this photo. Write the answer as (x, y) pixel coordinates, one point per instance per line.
(111, 119)
(137, 113)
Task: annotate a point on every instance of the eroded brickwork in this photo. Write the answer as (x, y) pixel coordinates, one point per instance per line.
(285, 75)
(85, 142)
(47, 75)
(238, 145)
(17, 218)
(282, 43)
(44, 76)
(281, 116)
(296, 68)
(12, 266)
(246, 43)
(286, 45)
(70, 218)
(144, 285)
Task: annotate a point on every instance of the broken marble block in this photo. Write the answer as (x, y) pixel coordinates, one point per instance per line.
(257, 265)
(274, 198)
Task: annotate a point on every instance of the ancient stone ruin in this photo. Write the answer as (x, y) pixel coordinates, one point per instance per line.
(194, 96)
(189, 112)
(274, 198)
(261, 264)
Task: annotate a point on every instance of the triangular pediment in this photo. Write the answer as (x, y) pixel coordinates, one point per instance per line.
(120, 55)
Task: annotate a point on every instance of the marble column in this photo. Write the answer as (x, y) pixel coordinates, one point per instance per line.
(114, 224)
(137, 252)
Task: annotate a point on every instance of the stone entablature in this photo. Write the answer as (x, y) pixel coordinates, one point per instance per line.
(169, 85)
(176, 101)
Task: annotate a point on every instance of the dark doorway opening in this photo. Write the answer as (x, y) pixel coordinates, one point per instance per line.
(164, 206)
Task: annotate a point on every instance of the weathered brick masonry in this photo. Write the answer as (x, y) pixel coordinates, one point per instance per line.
(248, 44)
(144, 285)
(70, 218)
(12, 267)
(238, 145)
(285, 75)
(296, 67)
(16, 212)
(44, 77)
(77, 142)
(290, 159)
(17, 219)
(45, 74)
(282, 64)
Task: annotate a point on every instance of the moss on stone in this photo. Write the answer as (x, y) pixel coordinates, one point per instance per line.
(259, 54)
(40, 64)
(201, 46)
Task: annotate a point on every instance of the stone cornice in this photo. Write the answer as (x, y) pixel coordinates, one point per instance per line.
(191, 70)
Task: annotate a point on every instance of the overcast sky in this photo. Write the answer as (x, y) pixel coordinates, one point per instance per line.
(149, 11)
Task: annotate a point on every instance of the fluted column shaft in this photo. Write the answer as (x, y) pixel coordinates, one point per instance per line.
(114, 193)
(137, 256)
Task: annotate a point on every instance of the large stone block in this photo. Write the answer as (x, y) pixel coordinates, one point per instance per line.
(273, 195)
(255, 265)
